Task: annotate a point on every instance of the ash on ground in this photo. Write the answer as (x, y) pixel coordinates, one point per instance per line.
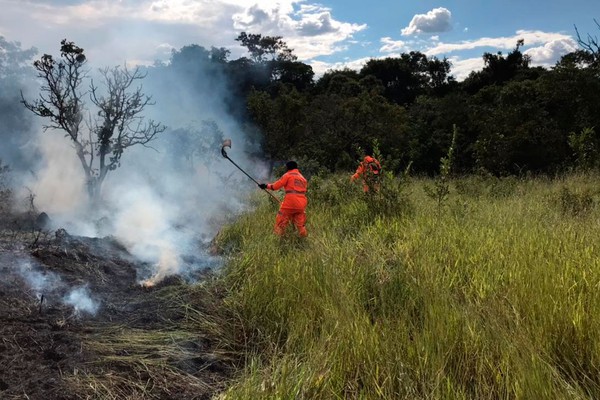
(76, 323)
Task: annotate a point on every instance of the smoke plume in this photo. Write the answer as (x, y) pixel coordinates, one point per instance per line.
(81, 301)
(166, 200)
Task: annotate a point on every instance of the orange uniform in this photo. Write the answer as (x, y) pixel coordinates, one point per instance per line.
(294, 203)
(369, 169)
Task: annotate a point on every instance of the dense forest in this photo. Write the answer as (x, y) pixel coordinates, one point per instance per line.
(511, 117)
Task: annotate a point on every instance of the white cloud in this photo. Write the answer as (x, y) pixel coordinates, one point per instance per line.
(115, 31)
(548, 54)
(317, 24)
(390, 45)
(505, 42)
(549, 47)
(462, 68)
(436, 20)
(311, 30)
(320, 67)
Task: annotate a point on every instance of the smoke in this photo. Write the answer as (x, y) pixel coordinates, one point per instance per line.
(45, 284)
(144, 223)
(37, 281)
(16, 133)
(81, 301)
(59, 182)
(167, 200)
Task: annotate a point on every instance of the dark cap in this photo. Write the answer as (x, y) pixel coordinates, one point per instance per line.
(290, 165)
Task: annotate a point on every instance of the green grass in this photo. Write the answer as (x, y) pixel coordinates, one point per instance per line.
(495, 296)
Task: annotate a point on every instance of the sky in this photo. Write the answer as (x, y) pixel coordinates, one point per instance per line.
(329, 34)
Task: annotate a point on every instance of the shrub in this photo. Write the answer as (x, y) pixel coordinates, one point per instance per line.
(575, 203)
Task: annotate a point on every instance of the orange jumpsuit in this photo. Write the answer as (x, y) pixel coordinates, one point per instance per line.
(294, 203)
(364, 168)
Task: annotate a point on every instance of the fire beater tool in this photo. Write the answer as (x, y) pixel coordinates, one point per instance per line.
(227, 143)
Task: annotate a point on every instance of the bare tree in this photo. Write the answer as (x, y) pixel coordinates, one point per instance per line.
(116, 125)
(591, 43)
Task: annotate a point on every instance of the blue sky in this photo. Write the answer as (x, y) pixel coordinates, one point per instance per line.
(326, 34)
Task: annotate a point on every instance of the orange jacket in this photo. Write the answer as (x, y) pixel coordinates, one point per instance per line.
(364, 165)
(295, 189)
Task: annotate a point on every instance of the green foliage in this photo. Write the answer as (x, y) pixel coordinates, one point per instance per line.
(441, 186)
(498, 69)
(517, 133)
(477, 186)
(391, 199)
(265, 48)
(406, 77)
(573, 203)
(194, 144)
(334, 191)
(586, 148)
(512, 118)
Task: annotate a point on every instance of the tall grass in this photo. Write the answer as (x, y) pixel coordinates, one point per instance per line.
(495, 297)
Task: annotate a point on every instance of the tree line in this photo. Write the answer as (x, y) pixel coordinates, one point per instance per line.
(507, 118)
(511, 117)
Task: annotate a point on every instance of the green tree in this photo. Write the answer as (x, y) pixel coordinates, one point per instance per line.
(431, 121)
(571, 94)
(517, 133)
(266, 48)
(498, 69)
(281, 119)
(196, 144)
(586, 148)
(271, 62)
(410, 75)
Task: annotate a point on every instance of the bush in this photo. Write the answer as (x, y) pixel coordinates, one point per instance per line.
(575, 203)
(391, 200)
(334, 190)
(586, 147)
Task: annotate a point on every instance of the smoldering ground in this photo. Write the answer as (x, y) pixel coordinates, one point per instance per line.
(76, 321)
(167, 199)
(75, 324)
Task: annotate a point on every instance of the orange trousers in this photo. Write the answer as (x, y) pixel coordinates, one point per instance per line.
(285, 215)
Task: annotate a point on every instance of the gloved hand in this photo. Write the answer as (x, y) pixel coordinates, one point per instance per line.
(262, 186)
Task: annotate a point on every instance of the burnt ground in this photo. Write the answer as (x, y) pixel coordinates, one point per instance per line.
(171, 341)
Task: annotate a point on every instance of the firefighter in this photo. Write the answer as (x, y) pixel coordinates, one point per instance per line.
(294, 203)
(369, 170)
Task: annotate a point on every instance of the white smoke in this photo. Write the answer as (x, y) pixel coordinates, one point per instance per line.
(161, 212)
(81, 301)
(58, 183)
(39, 282)
(144, 224)
(47, 284)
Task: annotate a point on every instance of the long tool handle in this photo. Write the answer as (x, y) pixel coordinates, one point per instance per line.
(254, 180)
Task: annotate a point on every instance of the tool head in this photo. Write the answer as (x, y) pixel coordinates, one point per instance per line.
(226, 143)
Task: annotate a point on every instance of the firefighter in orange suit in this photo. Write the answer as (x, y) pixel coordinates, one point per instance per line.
(369, 170)
(294, 203)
